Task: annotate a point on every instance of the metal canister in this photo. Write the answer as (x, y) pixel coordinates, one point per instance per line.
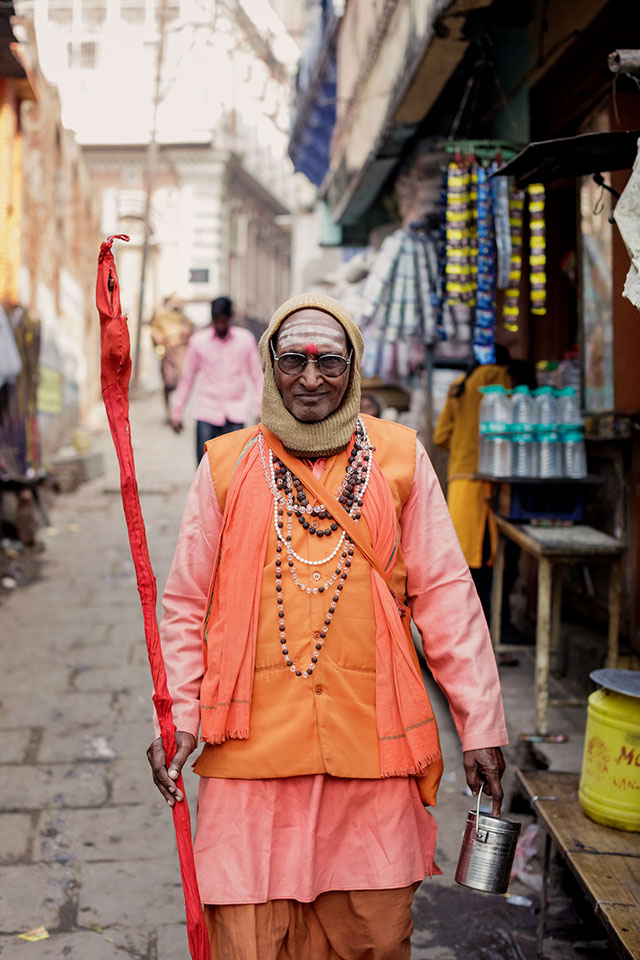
(488, 849)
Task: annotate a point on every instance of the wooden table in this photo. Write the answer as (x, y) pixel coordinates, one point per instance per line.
(553, 547)
(605, 862)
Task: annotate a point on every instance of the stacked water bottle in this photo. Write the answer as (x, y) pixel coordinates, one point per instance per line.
(574, 458)
(494, 457)
(535, 434)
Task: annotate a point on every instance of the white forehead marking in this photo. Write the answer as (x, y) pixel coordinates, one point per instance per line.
(296, 332)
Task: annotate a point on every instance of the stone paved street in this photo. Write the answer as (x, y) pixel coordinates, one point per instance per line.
(86, 843)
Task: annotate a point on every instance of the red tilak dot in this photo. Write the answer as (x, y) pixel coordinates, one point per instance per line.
(311, 348)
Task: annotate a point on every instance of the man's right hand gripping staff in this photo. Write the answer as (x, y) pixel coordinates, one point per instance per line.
(165, 779)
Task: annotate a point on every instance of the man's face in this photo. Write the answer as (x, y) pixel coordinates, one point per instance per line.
(221, 323)
(309, 396)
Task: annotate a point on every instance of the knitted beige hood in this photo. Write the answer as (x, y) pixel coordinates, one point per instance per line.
(328, 436)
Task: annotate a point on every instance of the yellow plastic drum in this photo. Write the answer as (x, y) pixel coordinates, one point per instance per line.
(610, 782)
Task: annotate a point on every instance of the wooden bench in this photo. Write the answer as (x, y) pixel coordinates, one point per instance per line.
(605, 862)
(553, 547)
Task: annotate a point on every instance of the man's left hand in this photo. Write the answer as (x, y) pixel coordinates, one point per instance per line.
(486, 764)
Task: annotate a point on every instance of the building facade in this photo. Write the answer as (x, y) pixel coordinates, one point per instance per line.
(49, 228)
(212, 89)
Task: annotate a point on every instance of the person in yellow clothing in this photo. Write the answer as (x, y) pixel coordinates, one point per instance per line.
(171, 330)
(468, 498)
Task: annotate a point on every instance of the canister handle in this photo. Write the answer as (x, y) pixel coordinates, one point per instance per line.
(478, 834)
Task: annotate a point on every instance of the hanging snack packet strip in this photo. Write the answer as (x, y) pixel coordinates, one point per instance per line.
(537, 250)
(500, 198)
(438, 296)
(376, 295)
(485, 323)
(460, 286)
(511, 305)
(473, 226)
(428, 286)
(399, 292)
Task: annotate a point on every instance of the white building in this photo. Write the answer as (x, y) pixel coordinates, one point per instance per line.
(223, 182)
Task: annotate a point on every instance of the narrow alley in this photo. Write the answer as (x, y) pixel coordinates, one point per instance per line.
(87, 843)
(422, 211)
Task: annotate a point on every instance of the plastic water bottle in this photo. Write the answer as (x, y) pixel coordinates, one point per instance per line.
(495, 423)
(568, 406)
(549, 444)
(546, 407)
(524, 455)
(574, 455)
(574, 460)
(550, 455)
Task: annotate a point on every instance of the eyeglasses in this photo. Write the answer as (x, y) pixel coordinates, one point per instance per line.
(329, 364)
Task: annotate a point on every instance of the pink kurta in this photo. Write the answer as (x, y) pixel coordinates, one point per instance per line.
(298, 837)
(221, 368)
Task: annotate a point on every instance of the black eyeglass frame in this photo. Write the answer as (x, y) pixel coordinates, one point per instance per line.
(308, 359)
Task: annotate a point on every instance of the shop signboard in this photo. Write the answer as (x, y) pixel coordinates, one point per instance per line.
(49, 395)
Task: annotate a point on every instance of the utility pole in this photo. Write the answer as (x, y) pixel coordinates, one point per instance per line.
(150, 174)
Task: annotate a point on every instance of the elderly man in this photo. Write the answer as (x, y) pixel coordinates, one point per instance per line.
(307, 544)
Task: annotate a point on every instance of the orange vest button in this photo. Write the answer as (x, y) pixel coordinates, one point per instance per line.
(318, 690)
(316, 635)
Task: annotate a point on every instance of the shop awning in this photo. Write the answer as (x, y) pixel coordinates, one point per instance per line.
(572, 157)
(314, 113)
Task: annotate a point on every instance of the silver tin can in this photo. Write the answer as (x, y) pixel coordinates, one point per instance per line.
(488, 849)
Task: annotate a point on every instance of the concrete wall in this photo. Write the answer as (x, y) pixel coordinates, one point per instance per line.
(375, 42)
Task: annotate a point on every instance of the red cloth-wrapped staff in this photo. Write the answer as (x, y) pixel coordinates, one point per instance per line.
(115, 376)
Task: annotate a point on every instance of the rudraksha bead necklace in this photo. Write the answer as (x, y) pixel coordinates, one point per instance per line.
(290, 498)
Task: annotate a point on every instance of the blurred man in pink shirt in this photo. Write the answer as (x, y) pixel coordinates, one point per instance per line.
(224, 358)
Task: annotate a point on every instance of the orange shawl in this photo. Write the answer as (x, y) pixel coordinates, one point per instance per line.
(407, 732)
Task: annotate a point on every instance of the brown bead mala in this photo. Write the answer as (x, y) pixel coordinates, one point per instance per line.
(290, 500)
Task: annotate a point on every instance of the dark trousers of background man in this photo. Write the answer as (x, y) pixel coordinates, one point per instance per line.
(209, 431)
(483, 580)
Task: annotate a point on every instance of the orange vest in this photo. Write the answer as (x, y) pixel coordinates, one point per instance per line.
(325, 723)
